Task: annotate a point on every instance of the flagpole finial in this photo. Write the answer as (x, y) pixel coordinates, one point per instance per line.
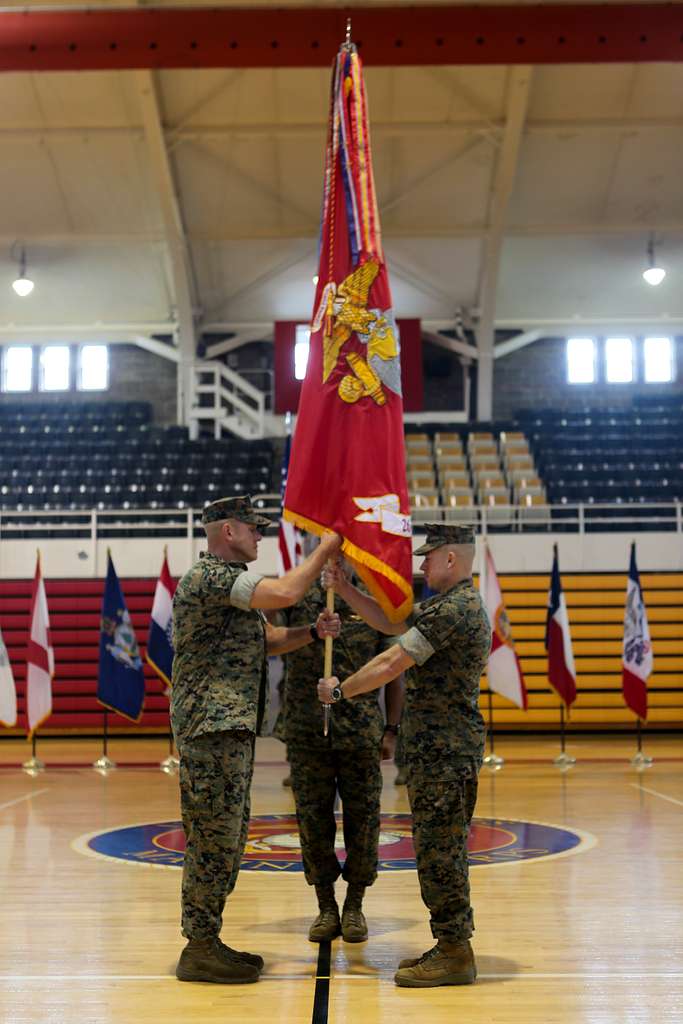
(347, 41)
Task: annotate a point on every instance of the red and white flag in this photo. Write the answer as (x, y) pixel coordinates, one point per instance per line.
(40, 667)
(558, 641)
(8, 693)
(637, 660)
(290, 551)
(504, 671)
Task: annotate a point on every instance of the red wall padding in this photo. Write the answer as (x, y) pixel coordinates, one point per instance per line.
(74, 608)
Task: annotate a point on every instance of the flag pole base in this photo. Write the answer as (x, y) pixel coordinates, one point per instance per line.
(493, 762)
(104, 765)
(34, 766)
(641, 761)
(564, 761)
(170, 765)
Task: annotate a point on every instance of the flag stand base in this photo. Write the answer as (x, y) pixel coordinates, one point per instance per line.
(564, 761)
(641, 761)
(104, 764)
(34, 766)
(493, 762)
(170, 765)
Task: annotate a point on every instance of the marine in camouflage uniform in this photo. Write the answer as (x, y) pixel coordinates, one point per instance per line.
(218, 702)
(445, 648)
(346, 760)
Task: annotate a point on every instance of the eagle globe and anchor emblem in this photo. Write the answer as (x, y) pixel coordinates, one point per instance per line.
(273, 844)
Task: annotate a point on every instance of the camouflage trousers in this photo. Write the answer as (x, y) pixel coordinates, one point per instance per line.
(215, 778)
(316, 777)
(442, 812)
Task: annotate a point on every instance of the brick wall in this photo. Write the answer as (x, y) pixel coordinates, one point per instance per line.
(536, 376)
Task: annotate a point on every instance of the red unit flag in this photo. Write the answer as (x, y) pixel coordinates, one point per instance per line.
(347, 469)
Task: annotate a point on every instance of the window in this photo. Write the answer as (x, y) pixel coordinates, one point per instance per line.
(581, 360)
(659, 360)
(93, 370)
(54, 368)
(18, 368)
(619, 360)
(302, 345)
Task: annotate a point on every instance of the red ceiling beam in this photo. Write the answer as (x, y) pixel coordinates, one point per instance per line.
(40, 40)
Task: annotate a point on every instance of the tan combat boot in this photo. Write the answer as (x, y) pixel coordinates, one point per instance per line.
(204, 960)
(327, 925)
(235, 954)
(353, 924)
(448, 963)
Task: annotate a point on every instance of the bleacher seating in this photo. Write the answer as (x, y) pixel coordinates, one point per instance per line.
(629, 456)
(108, 455)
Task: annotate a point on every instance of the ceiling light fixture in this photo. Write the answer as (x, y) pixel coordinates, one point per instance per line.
(653, 274)
(23, 285)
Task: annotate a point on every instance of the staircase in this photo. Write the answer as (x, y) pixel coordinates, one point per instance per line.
(227, 401)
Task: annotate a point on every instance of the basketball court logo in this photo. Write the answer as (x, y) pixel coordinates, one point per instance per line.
(273, 843)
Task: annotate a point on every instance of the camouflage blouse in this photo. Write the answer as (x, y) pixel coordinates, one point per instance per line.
(353, 723)
(219, 667)
(449, 640)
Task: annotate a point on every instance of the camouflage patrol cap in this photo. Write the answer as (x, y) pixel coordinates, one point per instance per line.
(439, 534)
(239, 507)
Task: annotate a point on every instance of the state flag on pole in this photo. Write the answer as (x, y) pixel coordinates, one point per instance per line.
(637, 660)
(558, 641)
(40, 657)
(121, 681)
(347, 470)
(289, 541)
(504, 671)
(8, 692)
(160, 640)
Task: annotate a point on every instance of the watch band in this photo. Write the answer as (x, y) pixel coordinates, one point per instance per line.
(393, 729)
(314, 633)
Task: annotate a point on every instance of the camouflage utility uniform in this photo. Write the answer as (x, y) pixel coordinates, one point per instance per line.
(347, 759)
(443, 742)
(217, 705)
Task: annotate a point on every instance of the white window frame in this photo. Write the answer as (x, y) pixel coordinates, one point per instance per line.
(672, 360)
(42, 382)
(79, 369)
(594, 345)
(620, 380)
(5, 353)
(302, 340)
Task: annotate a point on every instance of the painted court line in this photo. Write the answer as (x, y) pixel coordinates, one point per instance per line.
(527, 976)
(20, 799)
(662, 796)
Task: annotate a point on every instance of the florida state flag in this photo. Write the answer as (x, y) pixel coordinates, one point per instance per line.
(347, 469)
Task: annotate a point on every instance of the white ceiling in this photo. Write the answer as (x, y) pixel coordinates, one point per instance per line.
(600, 166)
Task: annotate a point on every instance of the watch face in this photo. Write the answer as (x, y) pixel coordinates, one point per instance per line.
(336, 693)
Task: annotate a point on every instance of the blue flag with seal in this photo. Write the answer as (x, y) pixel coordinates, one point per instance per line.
(121, 681)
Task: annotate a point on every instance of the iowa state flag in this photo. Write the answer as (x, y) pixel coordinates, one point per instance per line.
(558, 641)
(637, 660)
(121, 682)
(159, 642)
(504, 671)
(347, 470)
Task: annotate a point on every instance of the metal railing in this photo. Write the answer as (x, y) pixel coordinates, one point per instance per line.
(581, 518)
(235, 403)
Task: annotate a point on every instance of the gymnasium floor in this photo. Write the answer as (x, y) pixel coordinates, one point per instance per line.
(592, 934)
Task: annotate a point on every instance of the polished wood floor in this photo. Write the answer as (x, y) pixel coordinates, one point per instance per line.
(592, 937)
